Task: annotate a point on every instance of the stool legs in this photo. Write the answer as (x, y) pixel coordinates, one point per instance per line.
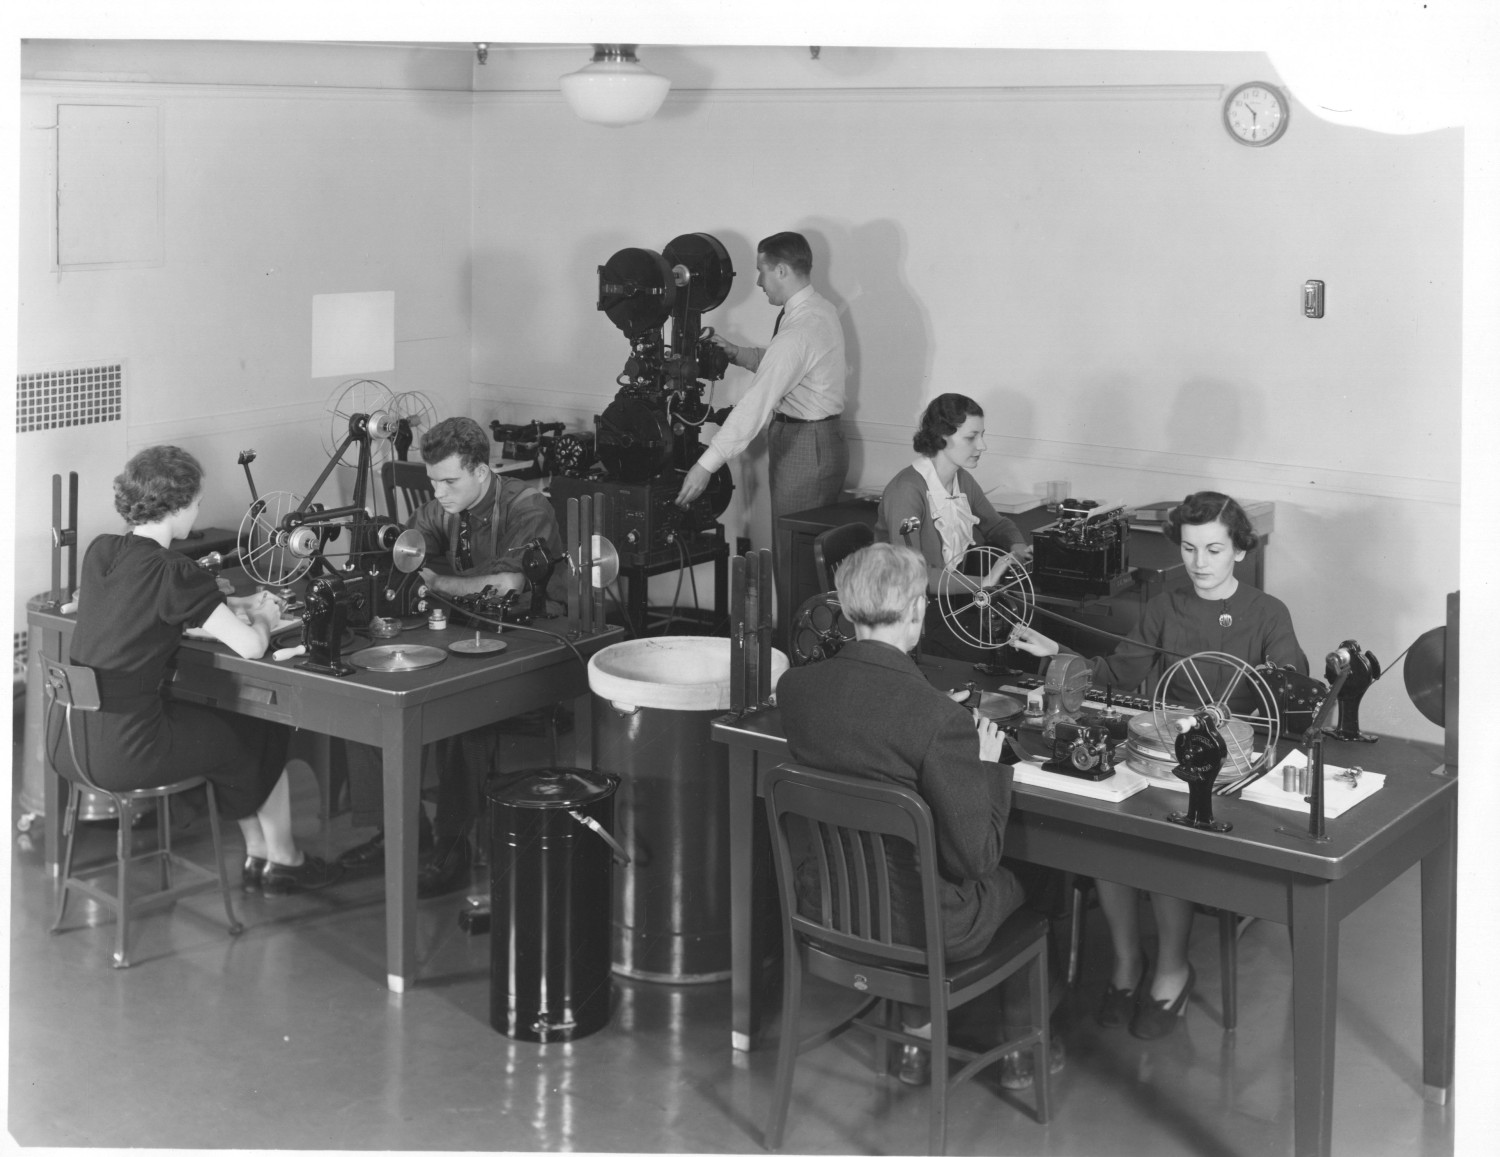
(70, 828)
(124, 847)
(235, 927)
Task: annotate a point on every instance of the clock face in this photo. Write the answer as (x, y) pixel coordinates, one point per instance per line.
(1255, 114)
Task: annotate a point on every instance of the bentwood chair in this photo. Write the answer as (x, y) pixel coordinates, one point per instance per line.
(74, 688)
(848, 828)
(836, 544)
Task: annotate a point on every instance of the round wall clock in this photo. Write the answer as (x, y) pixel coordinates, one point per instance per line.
(1256, 114)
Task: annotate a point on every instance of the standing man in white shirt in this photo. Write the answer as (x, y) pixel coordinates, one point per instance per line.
(798, 388)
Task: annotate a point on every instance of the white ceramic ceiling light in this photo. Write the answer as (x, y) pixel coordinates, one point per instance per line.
(614, 88)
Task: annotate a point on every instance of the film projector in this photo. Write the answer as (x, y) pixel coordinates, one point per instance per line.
(648, 435)
(284, 538)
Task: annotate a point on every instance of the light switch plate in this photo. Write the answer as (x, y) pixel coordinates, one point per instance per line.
(1312, 299)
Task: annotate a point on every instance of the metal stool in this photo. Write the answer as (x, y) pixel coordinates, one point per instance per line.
(76, 689)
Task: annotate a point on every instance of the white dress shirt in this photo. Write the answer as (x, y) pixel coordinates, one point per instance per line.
(951, 513)
(801, 373)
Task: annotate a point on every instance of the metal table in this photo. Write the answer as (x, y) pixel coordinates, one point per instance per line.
(1264, 868)
(399, 712)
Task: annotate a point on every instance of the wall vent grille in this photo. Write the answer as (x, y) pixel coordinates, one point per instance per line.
(74, 397)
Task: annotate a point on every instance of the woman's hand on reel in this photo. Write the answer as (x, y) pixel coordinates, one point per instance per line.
(1033, 642)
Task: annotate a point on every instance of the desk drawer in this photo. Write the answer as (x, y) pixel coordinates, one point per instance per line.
(231, 691)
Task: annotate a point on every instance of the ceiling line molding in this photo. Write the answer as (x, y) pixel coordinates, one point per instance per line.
(134, 90)
(908, 94)
(1254, 473)
(298, 414)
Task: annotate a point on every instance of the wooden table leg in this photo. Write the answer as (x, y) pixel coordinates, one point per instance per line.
(401, 760)
(1315, 990)
(744, 975)
(1439, 953)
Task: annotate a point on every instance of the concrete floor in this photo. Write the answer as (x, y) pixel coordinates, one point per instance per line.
(287, 1038)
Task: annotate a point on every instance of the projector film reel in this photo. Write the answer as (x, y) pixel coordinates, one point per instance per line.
(361, 396)
(1239, 699)
(985, 616)
(397, 657)
(270, 555)
(819, 629)
(419, 413)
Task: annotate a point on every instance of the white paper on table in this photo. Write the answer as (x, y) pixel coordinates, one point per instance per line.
(1338, 794)
(1122, 785)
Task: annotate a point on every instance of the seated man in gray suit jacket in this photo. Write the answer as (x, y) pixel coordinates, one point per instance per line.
(870, 712)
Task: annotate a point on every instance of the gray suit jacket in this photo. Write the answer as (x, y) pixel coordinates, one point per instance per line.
(870, 712)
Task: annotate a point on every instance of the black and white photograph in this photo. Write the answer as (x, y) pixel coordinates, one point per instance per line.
(797, 577)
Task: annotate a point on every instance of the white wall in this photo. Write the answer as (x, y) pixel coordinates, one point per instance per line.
(1074, 240)
(1070, 237)
(273, 193)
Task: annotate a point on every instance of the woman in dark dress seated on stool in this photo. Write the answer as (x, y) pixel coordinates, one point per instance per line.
(936, 508)
(1215, 613)
(135, 598)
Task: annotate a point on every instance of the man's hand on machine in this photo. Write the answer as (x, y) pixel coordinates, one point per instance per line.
(729, 348)
(991, 738)
(693, 485)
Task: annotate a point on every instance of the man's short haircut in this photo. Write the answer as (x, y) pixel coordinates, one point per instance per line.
(1205, 506)
(462, 436)
(877, 583)
(789, 249)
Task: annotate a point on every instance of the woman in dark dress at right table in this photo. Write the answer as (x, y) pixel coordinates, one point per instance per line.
(1215, 613)
(135, 598)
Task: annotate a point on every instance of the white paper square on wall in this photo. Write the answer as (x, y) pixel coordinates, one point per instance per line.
(353, 333)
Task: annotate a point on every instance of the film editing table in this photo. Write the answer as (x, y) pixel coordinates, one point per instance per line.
(398, 712)
(1266, 867)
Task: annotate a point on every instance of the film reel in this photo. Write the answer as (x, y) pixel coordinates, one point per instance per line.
(361, 396)
(1238, 697)
(984, 615)
(270, 555)
(819, 629)
(417, 412)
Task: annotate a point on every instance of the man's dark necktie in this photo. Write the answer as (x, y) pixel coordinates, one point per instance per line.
(775, 329)
(465, 559)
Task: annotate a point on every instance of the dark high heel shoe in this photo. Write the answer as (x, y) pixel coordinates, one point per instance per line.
(1155, 1019)
(1118, 1004)
(250, 877)
(310, 874)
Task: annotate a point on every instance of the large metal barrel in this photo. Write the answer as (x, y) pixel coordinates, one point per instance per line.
(550, 853)
(653, 702)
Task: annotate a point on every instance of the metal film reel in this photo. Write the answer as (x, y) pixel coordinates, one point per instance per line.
(980, 615)
(270, 555)
(1238, 696)
(701, 269)
(419, 413)
(361, 396)
(819, 629)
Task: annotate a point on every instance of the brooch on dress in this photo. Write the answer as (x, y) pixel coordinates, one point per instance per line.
(1225, 618)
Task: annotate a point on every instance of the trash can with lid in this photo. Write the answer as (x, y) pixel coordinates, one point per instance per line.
(550, 860)
(653, 701)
